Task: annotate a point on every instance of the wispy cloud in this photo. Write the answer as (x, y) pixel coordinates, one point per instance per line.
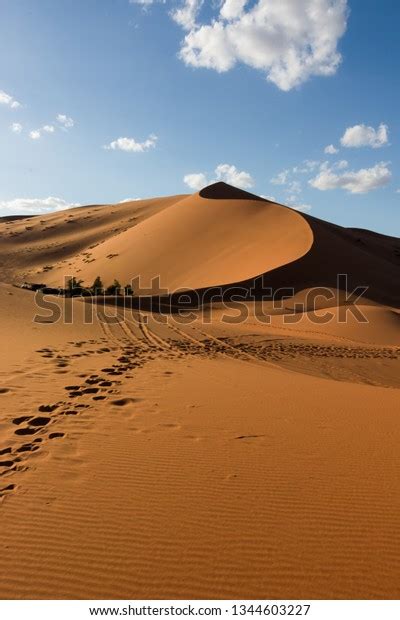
(35, 205)
(130, 145)
(331, 150)
(66, 122)
(16, 127)
(281, 178)
(8, 100)
(35, 134)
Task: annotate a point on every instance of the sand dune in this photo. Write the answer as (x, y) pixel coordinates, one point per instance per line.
(194, 243)
(181, 455)
(33, 244)
(221, 236)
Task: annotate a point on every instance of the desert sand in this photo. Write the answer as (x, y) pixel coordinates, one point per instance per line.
(152, 456)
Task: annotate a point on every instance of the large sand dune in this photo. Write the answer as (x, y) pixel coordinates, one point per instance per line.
(221, 236)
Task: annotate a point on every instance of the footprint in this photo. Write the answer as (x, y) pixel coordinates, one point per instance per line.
(122, 402)
(4, 390)
(93, 380)
(6, 464)
(26, 431)
(5, 451)
(39, 421)
(48, 408)
(28, 447)
(7, 489)
(22, 419)
(56, 435)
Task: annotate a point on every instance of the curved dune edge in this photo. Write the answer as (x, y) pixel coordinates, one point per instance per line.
(198, 243)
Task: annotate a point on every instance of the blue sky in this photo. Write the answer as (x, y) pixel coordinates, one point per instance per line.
(123, 99)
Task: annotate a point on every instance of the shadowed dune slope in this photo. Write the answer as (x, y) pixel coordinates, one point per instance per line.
(367, 259)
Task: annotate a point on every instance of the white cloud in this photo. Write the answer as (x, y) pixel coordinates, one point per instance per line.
(355, 182)
(35, 134)
(281, 178)
(331, 150)
(223, 172)
(233, 176)
(8, 100)
(35, 205)
(361, 135)
(48, 128)
(16, 127)
(129, 200)
(66, 122)
(288, 40)
(186, 15)
(306, 167)
(232, 9)
(195, 181)
(130, 144)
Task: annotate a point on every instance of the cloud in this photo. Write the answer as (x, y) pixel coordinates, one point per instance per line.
(35, 205)
(16, 127)
(195, 181)
(233, 176)
(331, 150)
(36, 134)
(186, 15)
(66, 122)
(8, 100)
(355, 182)
(130, 144)
(232, 9)
(289, 41)
(129, 200)
(281, 178)
(223, 172)
(361, 135)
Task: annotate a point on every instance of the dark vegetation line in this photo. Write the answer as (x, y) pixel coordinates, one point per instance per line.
(76, 288)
